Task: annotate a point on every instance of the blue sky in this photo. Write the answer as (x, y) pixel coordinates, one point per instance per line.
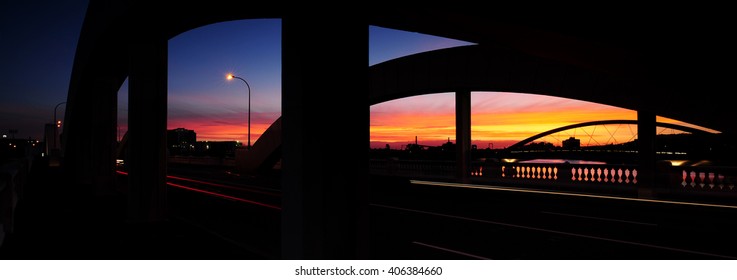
(38, 40)
(386, 44)
(200, 97)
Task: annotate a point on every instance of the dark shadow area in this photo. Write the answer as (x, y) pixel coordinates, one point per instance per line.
(413, 221)
(55, 220)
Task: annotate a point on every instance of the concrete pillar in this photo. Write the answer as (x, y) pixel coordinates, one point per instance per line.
(463, 134)
(325, 132)
(91, 122)
(147, 115)
(103, 127)
(646, 153)
(88, 133)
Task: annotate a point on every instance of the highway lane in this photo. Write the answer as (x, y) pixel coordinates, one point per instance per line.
(425, 220)
(246, 215)
(243, 193)
(436, 220)
(223, 183)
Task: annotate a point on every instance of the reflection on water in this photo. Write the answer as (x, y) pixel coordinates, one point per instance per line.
(561, 161)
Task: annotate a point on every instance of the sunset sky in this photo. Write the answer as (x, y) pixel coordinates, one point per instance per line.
(201, 99)
(200, 96)
(498, 119)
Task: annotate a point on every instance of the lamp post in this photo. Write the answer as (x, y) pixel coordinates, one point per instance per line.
(230, 77)
(56, 124)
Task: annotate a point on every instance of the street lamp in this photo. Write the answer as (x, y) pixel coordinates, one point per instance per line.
(57, 124)
(230, 77)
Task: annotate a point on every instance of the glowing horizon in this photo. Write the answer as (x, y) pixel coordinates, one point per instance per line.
(500, 119)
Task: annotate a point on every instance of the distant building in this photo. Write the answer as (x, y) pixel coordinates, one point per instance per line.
(217, 148)
(414, 148)
(572, 144)
(180, 141)
(448, 146)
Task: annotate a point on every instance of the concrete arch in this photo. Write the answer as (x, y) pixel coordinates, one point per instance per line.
(102, 64)
(493, 68)
(129, 38)
(484, 68)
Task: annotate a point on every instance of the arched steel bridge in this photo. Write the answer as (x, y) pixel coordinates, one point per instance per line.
(603, 122)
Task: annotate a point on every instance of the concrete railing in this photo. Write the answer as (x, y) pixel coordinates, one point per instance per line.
(563, 173)
(704, 178)
(670, 179)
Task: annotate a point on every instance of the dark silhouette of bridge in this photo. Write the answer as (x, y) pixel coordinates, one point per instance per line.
(325, 207)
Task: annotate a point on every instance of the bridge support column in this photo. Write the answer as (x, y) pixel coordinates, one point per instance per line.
(147, 116)
(90, 154)
(325, 163)
(463, 135)
(646, 153)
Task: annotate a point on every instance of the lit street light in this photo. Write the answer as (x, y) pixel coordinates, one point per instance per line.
(230, 77)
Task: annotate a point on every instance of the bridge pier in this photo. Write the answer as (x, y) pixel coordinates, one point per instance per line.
(88, 134)
(89, 156)
(147, 117)
(646, 153)
(324, 164)
(463, 135)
